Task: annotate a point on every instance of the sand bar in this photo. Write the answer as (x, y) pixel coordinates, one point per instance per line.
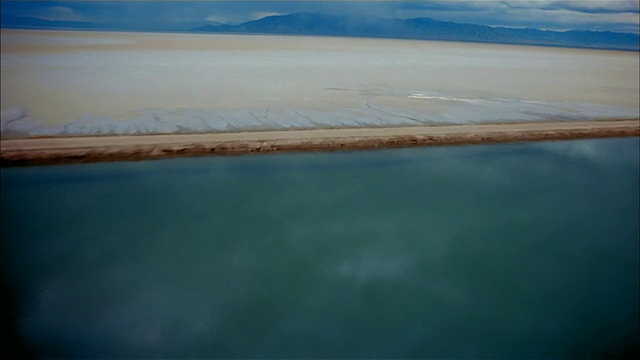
(40, 151)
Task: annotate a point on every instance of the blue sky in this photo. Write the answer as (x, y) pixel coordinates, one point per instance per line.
(612, 15)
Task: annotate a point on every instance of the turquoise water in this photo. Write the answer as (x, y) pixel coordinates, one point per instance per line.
(497, 251)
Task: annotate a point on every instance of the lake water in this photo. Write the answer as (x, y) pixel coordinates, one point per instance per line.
(496, 251)
(61, 82)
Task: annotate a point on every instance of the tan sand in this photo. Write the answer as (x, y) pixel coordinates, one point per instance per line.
(113, 148)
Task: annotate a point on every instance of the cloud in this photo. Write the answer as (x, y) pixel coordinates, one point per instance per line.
(620, 15)
(584, 6)
(231, 18)
(261, 14)
(61, 13)
(589, 7)
(216, 18)
(569, 19)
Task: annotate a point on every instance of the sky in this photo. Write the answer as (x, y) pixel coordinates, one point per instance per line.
(600, 15)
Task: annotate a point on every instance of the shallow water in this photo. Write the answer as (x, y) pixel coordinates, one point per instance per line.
(497, 251)
(57, 82)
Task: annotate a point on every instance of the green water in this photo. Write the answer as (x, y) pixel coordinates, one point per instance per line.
(500, 251)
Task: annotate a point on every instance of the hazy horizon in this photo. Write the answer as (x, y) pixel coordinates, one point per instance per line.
(599, 15)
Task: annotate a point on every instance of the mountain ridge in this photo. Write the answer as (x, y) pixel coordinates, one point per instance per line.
(35, 23)
(424, 29)
(353, 26)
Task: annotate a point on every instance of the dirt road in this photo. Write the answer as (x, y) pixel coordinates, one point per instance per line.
(111, 148)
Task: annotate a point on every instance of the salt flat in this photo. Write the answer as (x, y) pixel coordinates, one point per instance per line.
(60, 82)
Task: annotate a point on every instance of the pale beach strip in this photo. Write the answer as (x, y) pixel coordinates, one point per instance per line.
(81, 149)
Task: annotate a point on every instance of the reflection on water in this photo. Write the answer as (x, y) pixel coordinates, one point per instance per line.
(509, 251)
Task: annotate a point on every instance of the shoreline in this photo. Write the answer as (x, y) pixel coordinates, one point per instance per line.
(88, 149)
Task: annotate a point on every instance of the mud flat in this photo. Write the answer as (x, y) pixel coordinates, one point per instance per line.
(61, 150)
(77, 83)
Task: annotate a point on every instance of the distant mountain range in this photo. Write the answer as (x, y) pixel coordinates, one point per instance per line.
(331, 25)
(426, 29)
(25, 22)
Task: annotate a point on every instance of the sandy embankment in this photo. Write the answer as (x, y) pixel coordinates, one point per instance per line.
(113, 148)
